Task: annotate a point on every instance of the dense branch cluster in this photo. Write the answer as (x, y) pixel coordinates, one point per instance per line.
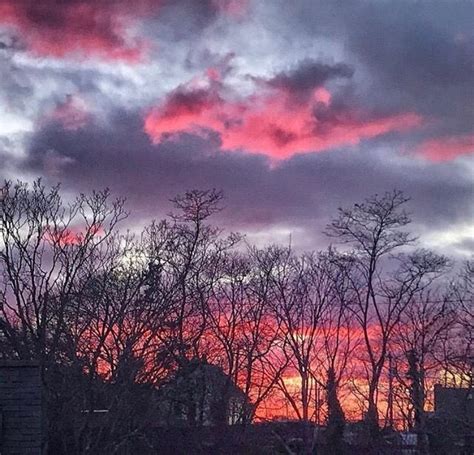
(114, 319)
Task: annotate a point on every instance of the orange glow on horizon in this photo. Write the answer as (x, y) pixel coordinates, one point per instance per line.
(352, 390)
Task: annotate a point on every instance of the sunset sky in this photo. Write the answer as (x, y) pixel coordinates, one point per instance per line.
(292, 108)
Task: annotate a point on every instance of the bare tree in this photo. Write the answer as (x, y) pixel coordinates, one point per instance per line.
(302, 291)
(338, 344)
(111, 317)
(242, 323)
(463, 293)
(124, 356)
(381, 291)
(48, 250)
(185, 257)
(417, 343)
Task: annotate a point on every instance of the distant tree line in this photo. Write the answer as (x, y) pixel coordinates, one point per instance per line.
(361, 330)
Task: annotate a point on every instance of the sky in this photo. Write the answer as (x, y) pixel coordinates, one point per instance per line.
(291, 108)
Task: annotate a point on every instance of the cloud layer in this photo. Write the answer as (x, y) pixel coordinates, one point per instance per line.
(292, 111)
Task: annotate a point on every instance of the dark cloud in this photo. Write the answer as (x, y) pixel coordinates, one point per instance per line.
(415, 56)
(77, 27)
(303, 191)
(105, 28)
(308, 75)
(190, 101)
(395, 112)
(184, 18)
(422, 53)
(410, 54)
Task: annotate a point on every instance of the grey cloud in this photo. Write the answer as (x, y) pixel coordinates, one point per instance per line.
(410, 55)
(407, 56)
(305, 190)
(309, 74)
(423, 54)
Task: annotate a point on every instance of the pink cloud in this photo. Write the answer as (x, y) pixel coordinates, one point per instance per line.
(270, 121)
(447, 148)
(77, 27)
